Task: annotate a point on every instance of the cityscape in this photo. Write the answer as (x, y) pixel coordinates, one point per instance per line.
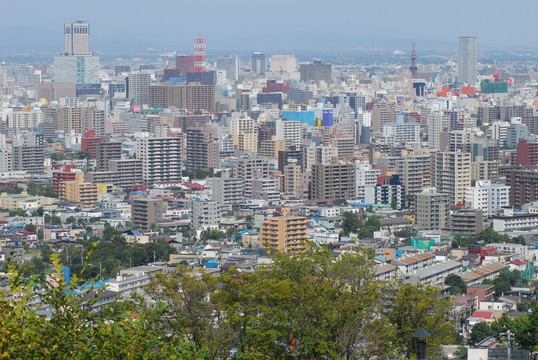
(360, 203)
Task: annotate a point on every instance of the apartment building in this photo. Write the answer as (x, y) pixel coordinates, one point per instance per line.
(161, 159)
(283, 233)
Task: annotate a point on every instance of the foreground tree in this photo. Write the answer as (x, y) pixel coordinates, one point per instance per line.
(415, 306)
(72, 330)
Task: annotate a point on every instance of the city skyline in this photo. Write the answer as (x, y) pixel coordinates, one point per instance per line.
(347, 25)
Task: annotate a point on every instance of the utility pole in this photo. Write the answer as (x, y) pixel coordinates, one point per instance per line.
(154, 256)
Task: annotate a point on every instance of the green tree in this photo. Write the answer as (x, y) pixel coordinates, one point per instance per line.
(479, 332)
(393, 204)
(456, 283)
(193, 314)
(415, 306)
(338, 306)
(73, 330)
(351, 222)
(30, 227)
(70, 220)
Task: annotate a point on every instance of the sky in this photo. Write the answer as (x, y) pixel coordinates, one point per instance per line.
(133, 25)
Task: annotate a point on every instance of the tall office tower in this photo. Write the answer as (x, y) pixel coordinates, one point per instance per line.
(452, 174)
(432, 209)
(184, 64)
(258, 64)
(283, 63)
(249, 169)
(76, 65)
(317, 72)
(334, 181)
(138, 88)
(28, 158)
(161, 159)
(290, 130)
(203, 150)
(106, 151)
(145, 212)
(467, 59)
(77, 38)
(230, 64)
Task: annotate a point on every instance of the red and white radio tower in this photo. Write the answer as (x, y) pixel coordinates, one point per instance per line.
(199, 54)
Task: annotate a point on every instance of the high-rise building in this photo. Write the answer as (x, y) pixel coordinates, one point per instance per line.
(77, 38)
(161, 159)
(205, 215)
(467, 59)
(190, 97)
(228, 191)
(523, 186)
(415, 173)
(452, 174)
(230, 64)
(289, 130)
(77, 65)
(203, 150)
(28, 158)
(316, 72)
(258, 64)
(284, 233)
(184, 64)
(249, 169)
(146, 212)
(138, 88)
(488, 197)
(432, 209)
(388, 191)
(334, 181)
(106, 151)
(365, 176)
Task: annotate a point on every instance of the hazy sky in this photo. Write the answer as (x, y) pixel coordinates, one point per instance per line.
(271, 24)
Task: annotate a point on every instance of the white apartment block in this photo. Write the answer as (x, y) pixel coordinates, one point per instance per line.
(289, 130)
(365, 177)
(161, 159)
(488, 197)
(402, 132)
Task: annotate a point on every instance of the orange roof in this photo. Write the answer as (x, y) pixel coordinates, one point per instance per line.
(468, 90)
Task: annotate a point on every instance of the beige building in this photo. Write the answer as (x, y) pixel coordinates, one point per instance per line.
(292, 178)
(333, 181)
(83, 193)
(284, 233)
(190, 97)
(452, 174)
(484, 170)
(270, 148)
